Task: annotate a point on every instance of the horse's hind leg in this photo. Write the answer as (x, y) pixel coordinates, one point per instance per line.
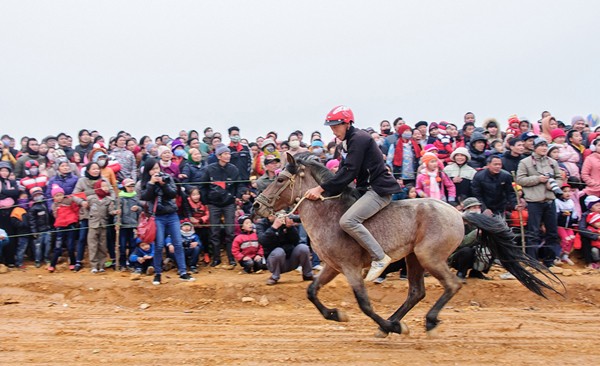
(416, 292)
(439, 269)
(325, 276)
(355, 279)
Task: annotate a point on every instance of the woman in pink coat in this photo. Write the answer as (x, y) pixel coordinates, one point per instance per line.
(590, 172)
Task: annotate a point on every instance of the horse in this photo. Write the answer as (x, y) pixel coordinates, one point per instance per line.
(424, 231)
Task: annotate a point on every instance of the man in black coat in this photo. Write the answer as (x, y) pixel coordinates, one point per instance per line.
(219, 191)
(511, 158)
(361, 160)
(281, 242)
(492, 186)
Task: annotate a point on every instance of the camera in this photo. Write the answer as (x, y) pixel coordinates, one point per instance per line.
(165, 177)
(295, 218)
(553, 185)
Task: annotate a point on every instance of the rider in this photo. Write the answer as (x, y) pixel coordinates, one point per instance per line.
(361, 160)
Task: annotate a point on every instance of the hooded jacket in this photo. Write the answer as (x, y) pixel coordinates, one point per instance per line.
(478, 158)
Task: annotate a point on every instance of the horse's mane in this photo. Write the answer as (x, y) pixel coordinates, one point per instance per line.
(322, 174)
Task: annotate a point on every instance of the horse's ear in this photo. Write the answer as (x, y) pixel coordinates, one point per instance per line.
(291, 162)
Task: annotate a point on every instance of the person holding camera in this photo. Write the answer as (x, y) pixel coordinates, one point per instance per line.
(541, 179)
(281, 243)
(158, 188)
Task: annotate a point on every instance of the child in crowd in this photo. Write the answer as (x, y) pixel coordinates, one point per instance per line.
(130, 213)
(513, 126)
(246, 249)
(101, 206)
(66, 216)
(433, 183)
(141, 259)
(198, 216)
(20, 223)
(39, 225)
(566, 218)
(192, 247)
(593, 221)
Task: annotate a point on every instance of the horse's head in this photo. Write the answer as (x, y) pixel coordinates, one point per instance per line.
(289, 186)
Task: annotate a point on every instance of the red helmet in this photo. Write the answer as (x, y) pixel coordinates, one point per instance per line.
(338, 115)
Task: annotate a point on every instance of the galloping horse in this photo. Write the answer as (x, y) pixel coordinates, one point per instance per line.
(424, 231)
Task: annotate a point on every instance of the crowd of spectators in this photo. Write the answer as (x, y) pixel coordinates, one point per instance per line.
(542, 176)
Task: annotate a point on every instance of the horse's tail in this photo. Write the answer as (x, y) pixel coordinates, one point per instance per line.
(499, 239)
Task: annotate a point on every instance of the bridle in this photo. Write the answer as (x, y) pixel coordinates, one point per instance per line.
(269, 202)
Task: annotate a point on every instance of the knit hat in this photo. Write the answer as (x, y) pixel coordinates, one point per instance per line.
(162, 149)
(36, 190)
(6, 165)
(442, 127)
(577, 119)
(539, 141)
(591, 200)
(429, 148)
(513, 119)
(428, 157)
(176, 143)
(593, 218)
(220, 149)
(56, 189)
(332, 164)
(461, 151)
(403, 128)
(557, 132)
(470, 202)
(243, 218)
(268, 142)
(317, 143)
(433, 125)
(552, 147)
(128, 182)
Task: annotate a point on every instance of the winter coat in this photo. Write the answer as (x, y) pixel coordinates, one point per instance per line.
(39, 218)
(100, 211)
(129, 218)
(590, 174)
(224, 185)
(246, 245)
(463, 189)
(66, 182)
(361, 160)
(138, 252)
(194, 174)
(528, 176)
(511, 163)
(19, 221)
(127, 161)
(85, 186)
(494, 191)
(241, 157)
(286, 238)
(478, 158)
(447, 188)
(570, 157)
(166, 193)
(65, 213)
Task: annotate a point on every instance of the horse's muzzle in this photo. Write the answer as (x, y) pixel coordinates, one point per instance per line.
(262, 210)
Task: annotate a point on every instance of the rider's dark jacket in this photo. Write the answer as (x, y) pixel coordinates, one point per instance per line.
(361, 160)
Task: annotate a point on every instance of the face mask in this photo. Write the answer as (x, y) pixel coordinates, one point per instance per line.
(318, 151)
(235, 139)
(38, 198)
(406, 135)
(180, 153)
(386, 131)
(270, 148)
(34, 171)
(6, 143)
(102, 163)
(294, 144)
(23, 203)
(209, 134)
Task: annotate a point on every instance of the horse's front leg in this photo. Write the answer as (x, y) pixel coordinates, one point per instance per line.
(325, 276)
(355, 279)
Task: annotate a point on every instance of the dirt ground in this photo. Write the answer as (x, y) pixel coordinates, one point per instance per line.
(226, 317)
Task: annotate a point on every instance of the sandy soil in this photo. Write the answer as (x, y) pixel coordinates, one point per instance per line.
(231, 318)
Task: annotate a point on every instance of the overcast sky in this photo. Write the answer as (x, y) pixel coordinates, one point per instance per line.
(153, 67)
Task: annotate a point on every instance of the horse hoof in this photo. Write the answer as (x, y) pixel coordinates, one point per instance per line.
(342, 316)
(381, 334)
(433, 334)
(404, 328)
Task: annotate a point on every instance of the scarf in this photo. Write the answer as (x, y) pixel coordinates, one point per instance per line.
(399, 152)
(434, 186)
(126, 194)
(90, 177)
(99, 191)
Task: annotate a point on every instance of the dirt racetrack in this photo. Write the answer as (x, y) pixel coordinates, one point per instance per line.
(230, 318)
